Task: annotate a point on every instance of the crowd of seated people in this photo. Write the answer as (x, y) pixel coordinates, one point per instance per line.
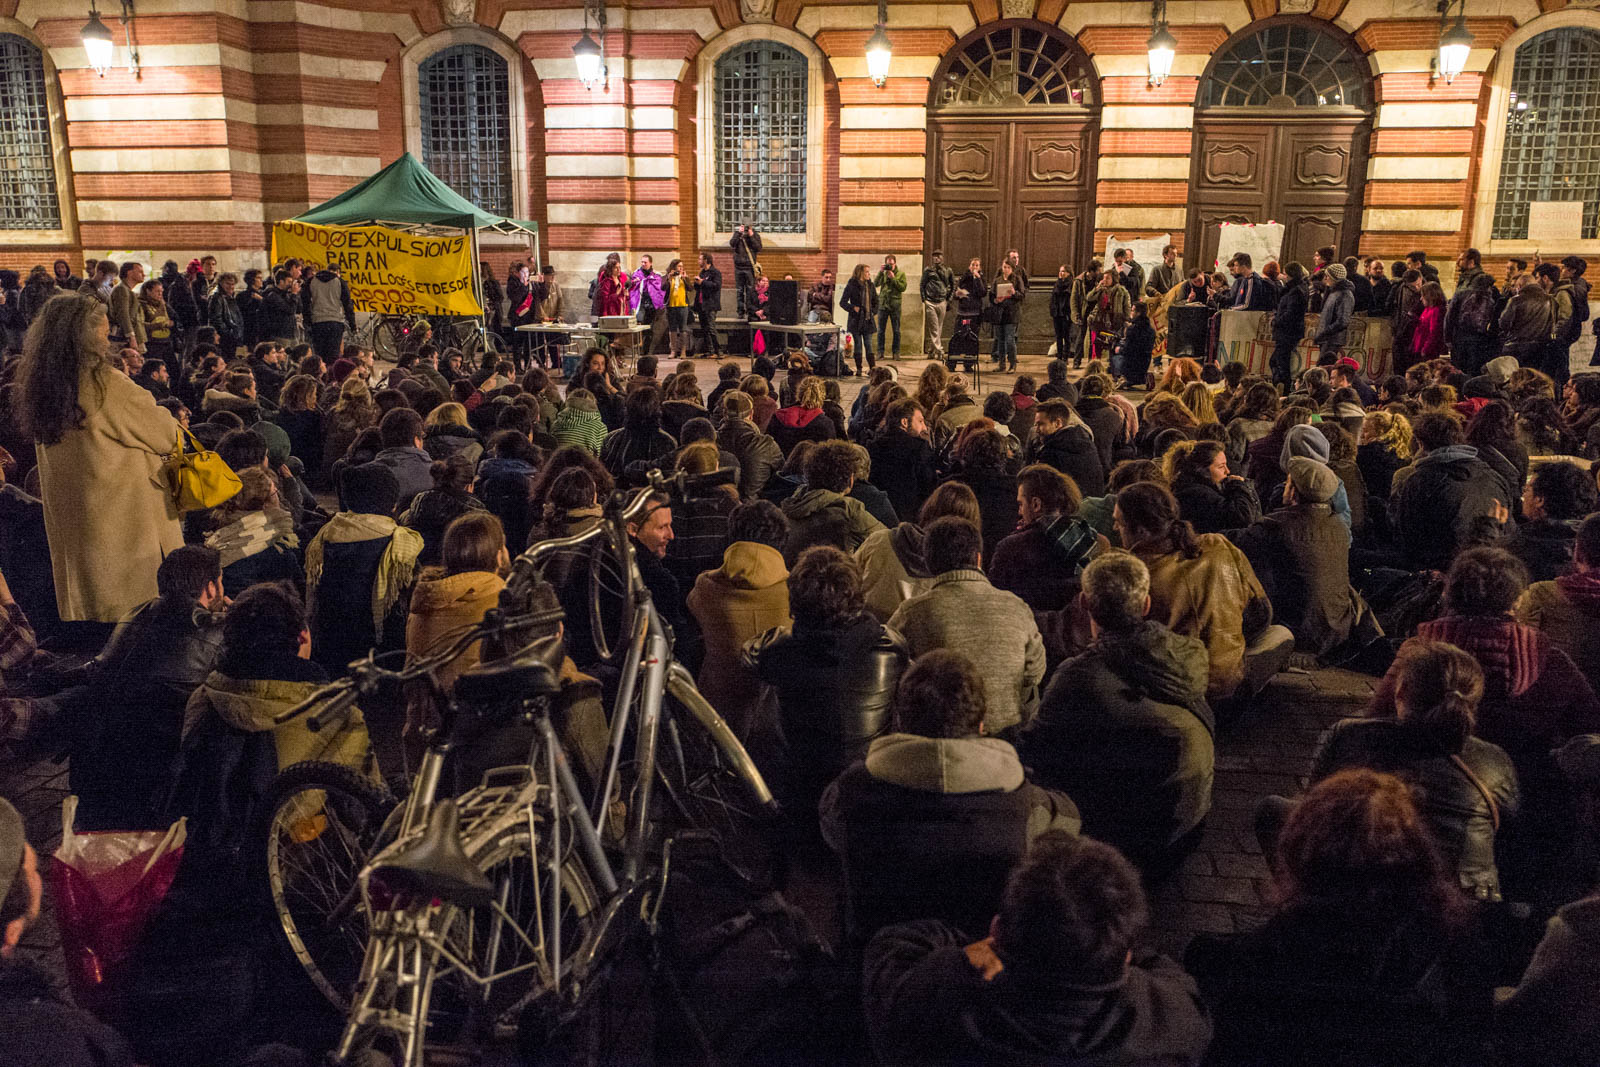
(989, 662)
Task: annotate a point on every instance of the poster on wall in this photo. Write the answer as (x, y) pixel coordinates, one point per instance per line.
(1146, 250)
(1261, 240)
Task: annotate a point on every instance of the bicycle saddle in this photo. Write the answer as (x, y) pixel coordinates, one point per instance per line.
(528, 673)
(435, 865)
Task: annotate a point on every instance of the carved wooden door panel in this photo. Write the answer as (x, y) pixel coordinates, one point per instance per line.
(1023, 183)
(1305, 172)
(969, 167)
(1321, 169)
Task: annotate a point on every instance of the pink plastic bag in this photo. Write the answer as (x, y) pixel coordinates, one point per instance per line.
(758, 344)
(107, 885)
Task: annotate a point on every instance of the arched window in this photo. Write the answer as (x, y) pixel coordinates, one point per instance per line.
(464, 94)
(1016, 66)
(1552, 133)
(760, 109)
(28, 198)
(1285, 66)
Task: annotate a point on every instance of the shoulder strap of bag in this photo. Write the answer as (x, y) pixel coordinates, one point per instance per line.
(1483, 790)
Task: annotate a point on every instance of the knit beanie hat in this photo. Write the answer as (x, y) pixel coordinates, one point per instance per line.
(736, 402)
(12, 840)
(370, 489)
(1501, 368)
(1305, 441)
(1336, 271)
(1313, 481)
(341, 369)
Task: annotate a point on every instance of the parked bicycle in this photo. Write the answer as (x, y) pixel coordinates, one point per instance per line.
(392, 336)
(499, 911)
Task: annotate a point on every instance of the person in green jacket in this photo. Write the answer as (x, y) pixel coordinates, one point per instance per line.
(891, 286)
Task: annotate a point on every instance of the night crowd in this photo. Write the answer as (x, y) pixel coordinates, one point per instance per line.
(986, 648)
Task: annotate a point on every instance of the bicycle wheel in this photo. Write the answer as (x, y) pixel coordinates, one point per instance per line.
(700, 791)
(504, 948)
(319, 823)
(612, 599)
(389, 336)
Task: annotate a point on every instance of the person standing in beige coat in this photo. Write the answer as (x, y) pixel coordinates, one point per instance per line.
(101, 439)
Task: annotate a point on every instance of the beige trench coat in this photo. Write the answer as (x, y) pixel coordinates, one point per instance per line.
(107, 512)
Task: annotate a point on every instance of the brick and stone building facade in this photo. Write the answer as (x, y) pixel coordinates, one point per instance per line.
(247, 111)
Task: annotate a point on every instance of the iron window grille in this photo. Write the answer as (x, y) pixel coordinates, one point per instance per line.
(28, 197)
(1286, 66)
(1016, 66)
(465, 98)
(761, 107)
(1552, 145)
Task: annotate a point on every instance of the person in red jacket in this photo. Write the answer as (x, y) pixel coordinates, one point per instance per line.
(1428, 340)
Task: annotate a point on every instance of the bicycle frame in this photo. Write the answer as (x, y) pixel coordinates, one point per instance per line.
(412, 945)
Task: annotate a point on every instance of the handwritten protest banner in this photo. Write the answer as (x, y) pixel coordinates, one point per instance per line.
(389, 272)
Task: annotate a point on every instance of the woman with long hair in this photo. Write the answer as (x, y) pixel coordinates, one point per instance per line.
(1196, 396)
(1179, 373)
(446, 432)
(1007, 311)
(1428, 340)
(299, 418)
(1543, 430)
(451, 597)
(984, 465)
(1209, 496)
(1200, 585)
(100, 441)
(859, 303)
(1385, 447)
(354, 411)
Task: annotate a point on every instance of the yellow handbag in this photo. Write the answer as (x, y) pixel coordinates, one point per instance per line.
(198, 479)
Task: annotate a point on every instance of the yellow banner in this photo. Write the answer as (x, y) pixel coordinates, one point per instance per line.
(389, 272)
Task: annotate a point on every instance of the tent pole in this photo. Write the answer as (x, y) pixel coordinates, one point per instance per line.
(477, 281)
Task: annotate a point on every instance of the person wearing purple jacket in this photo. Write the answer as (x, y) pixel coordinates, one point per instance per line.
(647, 300)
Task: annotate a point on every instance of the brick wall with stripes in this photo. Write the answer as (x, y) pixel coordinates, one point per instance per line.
(246, 111)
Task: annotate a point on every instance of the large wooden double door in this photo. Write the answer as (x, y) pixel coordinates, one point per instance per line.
(1304, 171)
(1013, 182)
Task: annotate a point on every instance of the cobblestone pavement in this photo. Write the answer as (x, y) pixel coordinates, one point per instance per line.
(1223, 886)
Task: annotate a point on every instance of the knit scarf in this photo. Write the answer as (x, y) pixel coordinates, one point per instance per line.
(395, 570)
(252, 533)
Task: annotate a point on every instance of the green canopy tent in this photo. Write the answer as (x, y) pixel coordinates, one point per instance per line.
(407, 196)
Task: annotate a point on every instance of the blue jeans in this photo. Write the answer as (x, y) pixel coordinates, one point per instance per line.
(1005, 343)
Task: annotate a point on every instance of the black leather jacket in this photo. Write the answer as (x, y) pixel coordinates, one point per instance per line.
(835, 688)
(1456, 810)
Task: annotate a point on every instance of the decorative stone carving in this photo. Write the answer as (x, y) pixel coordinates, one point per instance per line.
(756, 10)
(459, 12)
(1296, 7)
(1017, 9)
